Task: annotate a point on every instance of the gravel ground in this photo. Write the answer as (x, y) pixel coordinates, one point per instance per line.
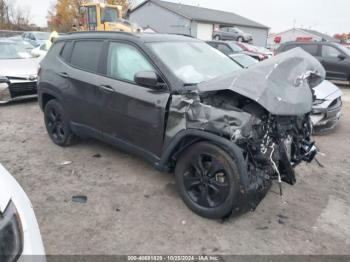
(131, 208)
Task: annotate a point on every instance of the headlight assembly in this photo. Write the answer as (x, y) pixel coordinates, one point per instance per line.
(318, 102)
(11, 234)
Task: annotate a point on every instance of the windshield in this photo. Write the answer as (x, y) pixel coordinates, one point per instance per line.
(42, 35)
(236, 48)
(13, 51)
(193, 62)
(244, 60)
(109, 15)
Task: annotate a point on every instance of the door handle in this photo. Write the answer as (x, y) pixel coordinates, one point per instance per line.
(64, 74)
(107, 88)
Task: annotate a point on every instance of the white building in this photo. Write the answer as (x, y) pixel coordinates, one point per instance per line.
(297, 34)
(199, 22)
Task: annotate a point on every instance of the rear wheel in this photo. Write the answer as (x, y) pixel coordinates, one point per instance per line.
(57, 124)
(240, 39)
(208, 181)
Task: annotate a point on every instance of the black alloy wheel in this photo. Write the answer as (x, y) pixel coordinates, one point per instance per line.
(57, 125)
(207, 179)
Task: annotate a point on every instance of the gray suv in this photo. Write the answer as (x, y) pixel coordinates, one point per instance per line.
(170, 99)
(232, 33)
(334, 57)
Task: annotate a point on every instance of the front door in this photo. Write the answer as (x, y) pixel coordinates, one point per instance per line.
(133, 113)
(336, 68)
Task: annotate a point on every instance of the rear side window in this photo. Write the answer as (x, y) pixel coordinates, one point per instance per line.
(66, 52)
(86, 55)
(330, 51)
(311, 49)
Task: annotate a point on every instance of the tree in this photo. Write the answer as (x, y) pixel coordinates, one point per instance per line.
(65, 13)
(13, 17)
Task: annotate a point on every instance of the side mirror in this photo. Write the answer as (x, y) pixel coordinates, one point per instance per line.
(341, 56)
(147, 78)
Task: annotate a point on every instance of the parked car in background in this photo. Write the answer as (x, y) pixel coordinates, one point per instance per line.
(18, 72)
(36, 38)
(186, 108)
(253, 51)
(23, 43)
(232, 33)
(40, 51)
(19, 230)
(265, 51)
(227, 47)
(334, 57)
(244, 60)
(232, 47)
(326, 111)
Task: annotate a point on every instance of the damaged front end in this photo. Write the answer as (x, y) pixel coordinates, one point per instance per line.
(264, 110)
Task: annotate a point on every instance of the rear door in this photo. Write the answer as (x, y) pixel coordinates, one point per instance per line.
(84, 97)
(133, 113)
(225, 35)
(336, 68)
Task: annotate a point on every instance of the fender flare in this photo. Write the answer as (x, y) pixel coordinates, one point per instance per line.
(225, 144)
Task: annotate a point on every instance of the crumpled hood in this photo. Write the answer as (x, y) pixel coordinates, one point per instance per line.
(326, 89)
(19, 67)
(281, 84)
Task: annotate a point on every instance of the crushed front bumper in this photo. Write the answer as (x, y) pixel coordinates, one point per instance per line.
(325, 117)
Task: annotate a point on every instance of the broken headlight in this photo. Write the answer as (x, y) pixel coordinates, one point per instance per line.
(11, 234)
(318, 102)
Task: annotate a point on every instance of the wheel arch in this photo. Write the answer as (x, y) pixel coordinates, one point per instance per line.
(45, 96)
(186, 138)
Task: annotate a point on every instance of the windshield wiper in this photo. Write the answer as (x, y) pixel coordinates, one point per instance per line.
(190, 84)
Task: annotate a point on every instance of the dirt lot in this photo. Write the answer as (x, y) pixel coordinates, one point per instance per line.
(132, 208)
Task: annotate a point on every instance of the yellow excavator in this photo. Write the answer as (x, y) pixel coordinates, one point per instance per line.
(102, 17)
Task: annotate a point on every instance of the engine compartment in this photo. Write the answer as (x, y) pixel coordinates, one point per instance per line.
(273, 146)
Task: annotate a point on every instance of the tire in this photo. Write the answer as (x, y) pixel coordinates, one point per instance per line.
(57, 124)
(240, 39)
(207, 179)
(217, 38)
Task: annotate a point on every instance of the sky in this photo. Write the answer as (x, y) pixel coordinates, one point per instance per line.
(327, 16)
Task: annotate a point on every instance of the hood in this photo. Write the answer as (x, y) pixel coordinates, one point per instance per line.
(281, 84)
(326, 89)
(22, 68)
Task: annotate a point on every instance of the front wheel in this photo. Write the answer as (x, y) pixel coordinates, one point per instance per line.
(207, 179)
(240, 39)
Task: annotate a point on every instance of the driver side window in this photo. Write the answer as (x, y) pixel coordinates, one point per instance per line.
(330, 52)
(124, 61)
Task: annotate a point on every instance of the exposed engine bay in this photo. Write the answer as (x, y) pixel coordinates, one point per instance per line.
(275, 144)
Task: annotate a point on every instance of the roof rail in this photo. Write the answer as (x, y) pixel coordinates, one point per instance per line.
(100, 32)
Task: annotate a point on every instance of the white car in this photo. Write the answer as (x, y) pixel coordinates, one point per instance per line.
(40, 51)
(326, 111)
(18, 72)
(19, 231)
